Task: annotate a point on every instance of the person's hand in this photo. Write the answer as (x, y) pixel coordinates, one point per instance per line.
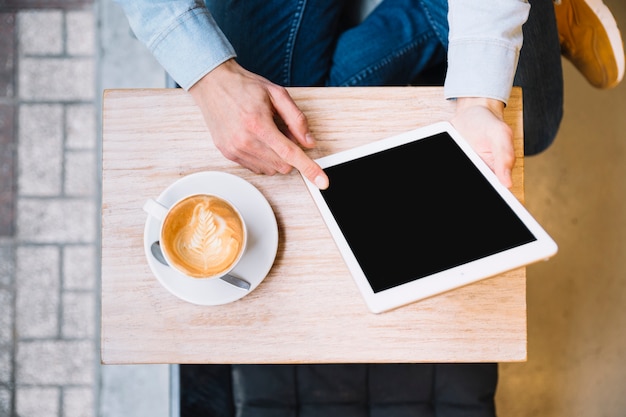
(481, 122)
(242, 109)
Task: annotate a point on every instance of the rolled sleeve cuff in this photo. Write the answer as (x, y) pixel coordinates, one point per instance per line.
(479, 68)
(192, 47)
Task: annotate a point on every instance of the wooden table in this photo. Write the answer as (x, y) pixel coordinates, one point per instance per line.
(308, 309)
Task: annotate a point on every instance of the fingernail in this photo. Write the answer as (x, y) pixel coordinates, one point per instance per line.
(309, 139)
(321, 182)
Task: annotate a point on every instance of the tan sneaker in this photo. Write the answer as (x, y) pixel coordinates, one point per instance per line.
(591, 40)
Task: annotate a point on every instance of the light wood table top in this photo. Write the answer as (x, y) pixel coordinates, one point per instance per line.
(308, 309)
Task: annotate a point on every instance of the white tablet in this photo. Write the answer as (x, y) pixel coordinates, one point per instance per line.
(420, 213)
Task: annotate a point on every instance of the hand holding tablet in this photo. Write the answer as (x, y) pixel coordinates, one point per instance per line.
(420, 213)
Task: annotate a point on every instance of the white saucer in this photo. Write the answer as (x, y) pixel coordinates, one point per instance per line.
(260, 250)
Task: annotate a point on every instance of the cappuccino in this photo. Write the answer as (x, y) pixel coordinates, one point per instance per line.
(203, 236)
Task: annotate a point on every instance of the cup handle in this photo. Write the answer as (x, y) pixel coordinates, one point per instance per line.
(155, 209)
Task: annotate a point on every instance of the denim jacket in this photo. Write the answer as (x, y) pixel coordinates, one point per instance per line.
(485, 39)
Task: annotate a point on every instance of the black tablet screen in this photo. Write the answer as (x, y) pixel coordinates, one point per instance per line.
(417, 209)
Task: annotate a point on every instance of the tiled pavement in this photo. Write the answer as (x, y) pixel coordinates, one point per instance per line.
(50, 76)
(48, 209)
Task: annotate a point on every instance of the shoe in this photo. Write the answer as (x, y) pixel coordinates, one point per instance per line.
(591, 40)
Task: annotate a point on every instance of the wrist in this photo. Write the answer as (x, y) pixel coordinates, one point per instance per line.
(213, 76)
(494, 105)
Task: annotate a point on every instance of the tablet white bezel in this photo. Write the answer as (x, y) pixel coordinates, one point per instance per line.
(541, 249)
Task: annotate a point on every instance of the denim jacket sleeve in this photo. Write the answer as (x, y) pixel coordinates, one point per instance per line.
(182, 36)
(484, 44)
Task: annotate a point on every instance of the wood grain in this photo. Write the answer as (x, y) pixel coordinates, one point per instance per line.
(308, 309)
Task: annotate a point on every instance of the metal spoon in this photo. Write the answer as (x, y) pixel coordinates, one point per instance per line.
(155, 248)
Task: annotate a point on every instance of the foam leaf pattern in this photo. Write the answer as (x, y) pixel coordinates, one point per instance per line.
(206, 242)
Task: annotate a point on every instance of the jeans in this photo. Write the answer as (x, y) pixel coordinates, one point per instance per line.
(401, 42)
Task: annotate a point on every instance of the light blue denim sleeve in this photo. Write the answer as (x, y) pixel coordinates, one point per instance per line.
(485, 42)
(181, 34)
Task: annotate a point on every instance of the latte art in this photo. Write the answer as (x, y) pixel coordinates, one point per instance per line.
(206, 242)
(203, 236)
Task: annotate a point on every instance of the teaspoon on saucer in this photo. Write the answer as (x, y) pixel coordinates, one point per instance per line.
(155, 248)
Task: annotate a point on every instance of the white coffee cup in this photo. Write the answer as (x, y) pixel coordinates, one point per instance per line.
(201, 235)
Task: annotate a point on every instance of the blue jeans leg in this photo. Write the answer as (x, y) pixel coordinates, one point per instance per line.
(291, 43)
(311, 42)
(394, 45)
